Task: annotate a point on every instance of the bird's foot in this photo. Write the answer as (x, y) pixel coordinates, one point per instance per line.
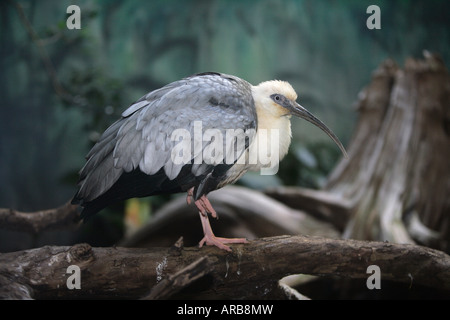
(203, 204)
(212, 240)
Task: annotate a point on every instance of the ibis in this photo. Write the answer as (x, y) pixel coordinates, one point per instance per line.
(194, 135)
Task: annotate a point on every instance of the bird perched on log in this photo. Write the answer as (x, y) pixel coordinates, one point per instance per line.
(194, 135)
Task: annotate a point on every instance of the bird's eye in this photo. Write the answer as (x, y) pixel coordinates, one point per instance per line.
(278, 98)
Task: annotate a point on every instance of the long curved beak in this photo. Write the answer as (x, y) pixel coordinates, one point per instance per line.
(299, 111)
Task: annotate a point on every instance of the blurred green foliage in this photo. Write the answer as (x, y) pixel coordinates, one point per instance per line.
(309, 165)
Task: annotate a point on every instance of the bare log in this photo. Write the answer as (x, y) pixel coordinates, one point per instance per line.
(35, 222)
(251, 271)
(396, 182)
(242, 213)
(398, 165)
(319, 203)
(181, 279)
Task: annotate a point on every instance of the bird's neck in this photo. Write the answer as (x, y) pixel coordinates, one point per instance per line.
(274, 129)
(271, 143)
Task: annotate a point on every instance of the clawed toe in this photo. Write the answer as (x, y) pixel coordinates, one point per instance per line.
(220, 242)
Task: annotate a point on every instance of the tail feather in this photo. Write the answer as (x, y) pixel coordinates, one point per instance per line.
(134, 184)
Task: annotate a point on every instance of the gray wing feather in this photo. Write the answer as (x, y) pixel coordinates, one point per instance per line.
(151, 96)
(142, 138)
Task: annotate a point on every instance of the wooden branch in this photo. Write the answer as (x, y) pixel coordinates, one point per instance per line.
(242, 213)
(398, 156)
(251, 271)
(181, 279)
(323, 204)
(35, 222)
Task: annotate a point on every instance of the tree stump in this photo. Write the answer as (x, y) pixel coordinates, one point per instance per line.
(395, 186)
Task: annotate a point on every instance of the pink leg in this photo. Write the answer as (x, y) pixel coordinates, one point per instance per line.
(190, 195)
(205, 207)
(203, 204)
(211, 240)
